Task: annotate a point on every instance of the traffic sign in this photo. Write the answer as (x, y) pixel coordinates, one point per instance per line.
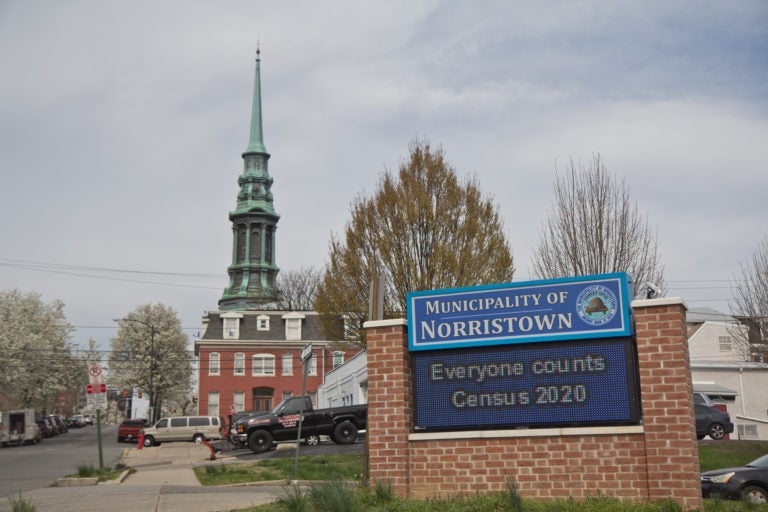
(92, 389)
(306, 352)
(95, 374)
(97, 400)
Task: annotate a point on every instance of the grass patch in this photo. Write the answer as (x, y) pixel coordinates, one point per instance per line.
(103, 475)
(337, 496)
(318, 468)
(728, 454)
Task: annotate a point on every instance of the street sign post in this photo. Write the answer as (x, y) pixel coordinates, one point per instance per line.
(96, 398)
(306, 355)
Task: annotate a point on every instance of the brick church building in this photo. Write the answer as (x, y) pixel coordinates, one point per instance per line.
(250, 352)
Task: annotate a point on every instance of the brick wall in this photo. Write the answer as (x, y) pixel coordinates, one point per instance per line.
(656, 460)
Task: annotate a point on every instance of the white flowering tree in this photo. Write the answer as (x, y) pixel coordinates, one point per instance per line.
(35, 348)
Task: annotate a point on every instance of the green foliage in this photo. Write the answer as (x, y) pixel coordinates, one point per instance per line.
(86, 471)
(383, 492)
(20, 503)
(322, 467)
(423, 229)
(294, 499)
(334, 496)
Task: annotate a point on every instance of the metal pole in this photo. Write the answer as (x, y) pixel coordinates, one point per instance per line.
(98, 434)
(151, 377)
(301, 419)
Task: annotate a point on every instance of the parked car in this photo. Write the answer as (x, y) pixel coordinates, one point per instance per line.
(712, 422)
(701, 398)
(184, 428)
(130, 429)
(749, 482)
(59, 423)
(260, 431)
(88, 419)
(76, 421)
(46, 429)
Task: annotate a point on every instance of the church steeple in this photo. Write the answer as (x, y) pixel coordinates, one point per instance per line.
(253, 271)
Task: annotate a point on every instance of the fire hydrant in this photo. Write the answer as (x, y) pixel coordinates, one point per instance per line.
(141, 441)
(210, 447)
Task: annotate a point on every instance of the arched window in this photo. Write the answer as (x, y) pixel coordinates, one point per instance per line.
(263, 365)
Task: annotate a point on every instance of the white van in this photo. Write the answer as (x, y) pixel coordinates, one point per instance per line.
(183, 428)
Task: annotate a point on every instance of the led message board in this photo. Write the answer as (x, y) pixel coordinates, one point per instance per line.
(544, 384)
(585, 307)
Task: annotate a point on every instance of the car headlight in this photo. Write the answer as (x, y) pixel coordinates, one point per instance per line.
(722, 479)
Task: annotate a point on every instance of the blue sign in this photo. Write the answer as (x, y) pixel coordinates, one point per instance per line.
(546, 384)
(584, 307)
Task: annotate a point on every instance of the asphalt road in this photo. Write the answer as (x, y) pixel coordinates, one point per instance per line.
(23, 468)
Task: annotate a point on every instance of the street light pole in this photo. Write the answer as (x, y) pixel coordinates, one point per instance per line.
(151, 363)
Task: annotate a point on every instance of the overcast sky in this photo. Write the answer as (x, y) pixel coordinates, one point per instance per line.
(122, 126)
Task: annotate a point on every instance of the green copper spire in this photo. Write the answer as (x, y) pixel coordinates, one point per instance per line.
(253, 272)
(256, 141)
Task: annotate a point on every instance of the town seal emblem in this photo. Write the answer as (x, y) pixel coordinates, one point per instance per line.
(596, 305)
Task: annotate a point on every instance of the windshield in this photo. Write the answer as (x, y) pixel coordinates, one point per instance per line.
(278, 406)
(761, 462)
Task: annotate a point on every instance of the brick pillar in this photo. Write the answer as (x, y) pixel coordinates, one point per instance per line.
(390, 403)
(667, 393)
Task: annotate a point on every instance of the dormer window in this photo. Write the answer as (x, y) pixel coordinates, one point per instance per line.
(293, 325)
(262, 322)
(230, 324)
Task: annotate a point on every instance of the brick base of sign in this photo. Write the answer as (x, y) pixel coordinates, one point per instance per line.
(653, 461)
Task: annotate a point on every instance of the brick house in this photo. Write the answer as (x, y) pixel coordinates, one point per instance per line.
(250, 360)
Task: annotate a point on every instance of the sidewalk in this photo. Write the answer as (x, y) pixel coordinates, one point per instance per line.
(164, 481)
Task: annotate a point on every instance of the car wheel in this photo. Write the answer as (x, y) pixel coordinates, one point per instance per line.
(119, 439)
(198, 438)
(149, 441)
(345, 432)
(716, 431)
(260, 441)
(312, 440)
(755, 494)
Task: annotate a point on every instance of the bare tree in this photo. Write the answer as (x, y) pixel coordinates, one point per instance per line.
(298, 289)
(423, 229)
(593, 228)
(750, 305)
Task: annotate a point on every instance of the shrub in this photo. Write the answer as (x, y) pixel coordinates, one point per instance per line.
(21, 504)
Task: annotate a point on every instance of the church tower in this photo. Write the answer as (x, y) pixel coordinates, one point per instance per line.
(253, 272)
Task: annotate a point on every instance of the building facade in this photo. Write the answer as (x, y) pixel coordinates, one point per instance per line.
(723, 368)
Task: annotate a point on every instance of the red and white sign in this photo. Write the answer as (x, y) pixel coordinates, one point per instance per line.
(95, 374)
(91, 389)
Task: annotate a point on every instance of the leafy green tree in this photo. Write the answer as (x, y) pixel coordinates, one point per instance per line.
(593, 228)
(422, 229)
(34, 343)
(150, 352)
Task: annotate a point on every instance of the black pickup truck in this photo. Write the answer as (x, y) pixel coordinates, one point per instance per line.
(260, 431)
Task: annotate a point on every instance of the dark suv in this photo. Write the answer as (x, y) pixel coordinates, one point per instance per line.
(712, 422)
(130, 429)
